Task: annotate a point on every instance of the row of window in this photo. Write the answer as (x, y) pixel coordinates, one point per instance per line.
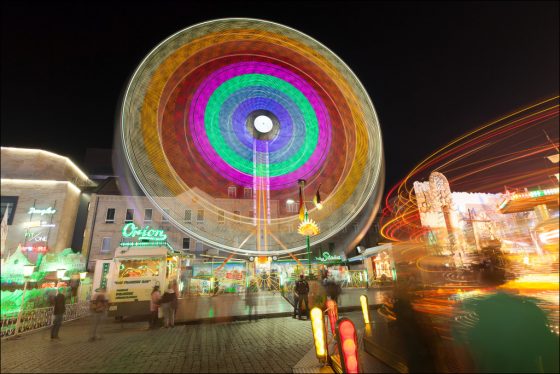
(247, 192)
(148, 214)
(106, 244)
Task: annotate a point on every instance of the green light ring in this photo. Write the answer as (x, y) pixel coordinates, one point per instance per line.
(212, 126)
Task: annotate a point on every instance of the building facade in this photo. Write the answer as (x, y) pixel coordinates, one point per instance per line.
(41, 194)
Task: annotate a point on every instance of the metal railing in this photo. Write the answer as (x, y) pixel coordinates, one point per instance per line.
(35, 319)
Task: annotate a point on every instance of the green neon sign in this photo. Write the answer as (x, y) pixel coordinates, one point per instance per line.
(152, 243)
(130, 230)
(328, 258)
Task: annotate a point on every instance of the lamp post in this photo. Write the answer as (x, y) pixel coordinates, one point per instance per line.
(307, 227)
(27, 271)
(83, 275)
(59, 275)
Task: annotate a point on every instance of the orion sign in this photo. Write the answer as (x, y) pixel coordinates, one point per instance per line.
(130, 230)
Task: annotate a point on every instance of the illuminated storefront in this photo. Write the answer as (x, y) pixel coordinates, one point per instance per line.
(41, 194)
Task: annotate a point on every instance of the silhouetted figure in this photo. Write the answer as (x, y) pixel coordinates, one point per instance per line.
(58, 313)
(251, 299)
(512, 333)
(154, 306)
(302, 291)
(414, 333)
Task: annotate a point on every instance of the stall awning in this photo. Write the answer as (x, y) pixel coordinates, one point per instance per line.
(371, 251)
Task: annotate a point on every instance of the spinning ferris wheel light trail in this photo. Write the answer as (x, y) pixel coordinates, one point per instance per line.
(254, 106)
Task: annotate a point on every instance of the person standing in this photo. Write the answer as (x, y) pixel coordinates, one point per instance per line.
(302, 290)
(175, 304)
(168, 300)
(58, 313)
(99, 306)
(251, 299)
(154, 306)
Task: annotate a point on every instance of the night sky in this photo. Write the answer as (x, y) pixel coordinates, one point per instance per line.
(432, 70)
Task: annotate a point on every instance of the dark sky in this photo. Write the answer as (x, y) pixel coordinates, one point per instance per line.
(432, 70)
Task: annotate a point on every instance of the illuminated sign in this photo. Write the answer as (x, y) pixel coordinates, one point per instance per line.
(104, 273)
(152, 243)
(130, 230)
(328, 258)
(42, 212)
(38, 249)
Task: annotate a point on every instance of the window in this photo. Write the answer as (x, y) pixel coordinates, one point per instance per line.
(148, 215)
(251, 214)
(331, 247)
(248, 193)
(232, 192)
(355, 227)
(236, 212)
(200, 216)
(199, 247)
(8, 205)
(129, 215)
(221, 216)
(292, 207)
(186, 243)
(138, 268)
(188, 215)
(106, 244)
(110, 216)
(165, 215)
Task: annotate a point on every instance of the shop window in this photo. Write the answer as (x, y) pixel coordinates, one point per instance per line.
(232, 192)
(110, 216)
(165, 215)
(8, 206)
(248, 193)
(138, 268)
(221, 216)
(200, 216)
(187, 243)
(188, 216)
(147, 215)
(106, 244)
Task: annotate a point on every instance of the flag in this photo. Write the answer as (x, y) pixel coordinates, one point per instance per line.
(317, 199)
(301, 205)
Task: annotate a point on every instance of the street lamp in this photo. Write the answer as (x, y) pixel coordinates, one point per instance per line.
(59, 275)
(307, 227)
(83, 275)
(27, 271)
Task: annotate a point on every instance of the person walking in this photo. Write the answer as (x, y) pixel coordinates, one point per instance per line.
(251, 299)
(154, 306)
(99, 306)
(58, 313)
(302, 291)
(168, 301)
(175, 304)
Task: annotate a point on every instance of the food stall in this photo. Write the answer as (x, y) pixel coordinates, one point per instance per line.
(131, 275)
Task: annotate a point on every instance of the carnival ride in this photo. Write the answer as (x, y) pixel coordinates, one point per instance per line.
(511, 162)
(248, 105)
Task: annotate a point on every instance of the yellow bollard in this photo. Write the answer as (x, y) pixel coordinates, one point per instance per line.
(365, 308)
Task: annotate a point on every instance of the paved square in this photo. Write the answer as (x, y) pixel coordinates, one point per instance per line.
(272, 345)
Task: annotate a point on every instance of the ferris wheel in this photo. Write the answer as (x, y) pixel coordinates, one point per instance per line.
(223, 118)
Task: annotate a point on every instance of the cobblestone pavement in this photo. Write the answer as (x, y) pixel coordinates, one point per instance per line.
(272, 345)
